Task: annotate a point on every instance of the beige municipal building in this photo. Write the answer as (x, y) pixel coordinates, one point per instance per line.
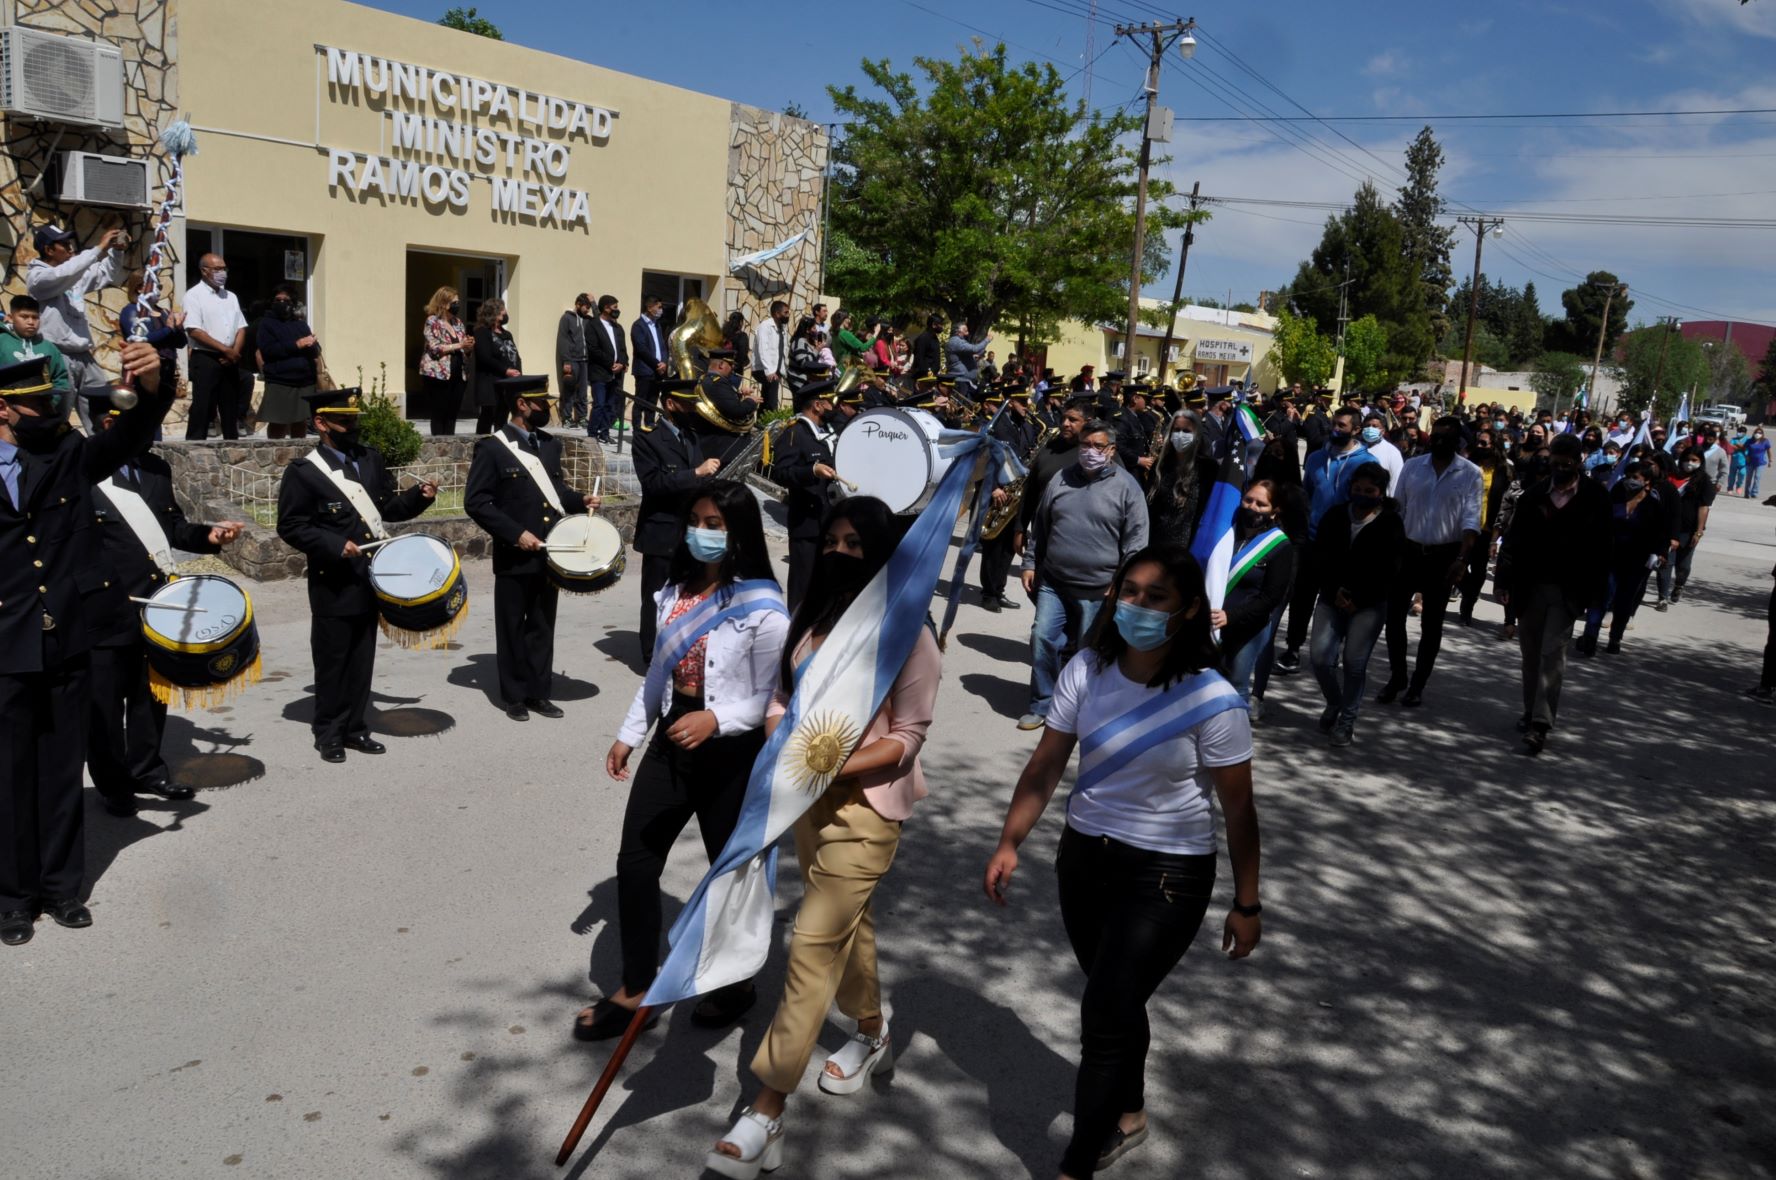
(371, 158)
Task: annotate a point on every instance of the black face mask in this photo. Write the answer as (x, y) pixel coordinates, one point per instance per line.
(537, 419)
(833, 417)
(343, 437)
(1565, 473)
(456, 309)
(1250, 520)
(845, 575)
(1632, 488)
(1341, 438)
(283, 309)
(1363, 505)
(1443, 446)
(41, 433)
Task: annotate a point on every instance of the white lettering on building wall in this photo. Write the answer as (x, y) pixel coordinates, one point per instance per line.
(438, 148)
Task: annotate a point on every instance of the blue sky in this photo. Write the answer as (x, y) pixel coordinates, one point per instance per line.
(1383, 58)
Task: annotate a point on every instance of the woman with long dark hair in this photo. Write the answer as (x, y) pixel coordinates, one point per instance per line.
(804, 354)
(1257, 591)
(496, 356)
(844, 844)
(722, 623)
(1161, 734)
(1185, 477)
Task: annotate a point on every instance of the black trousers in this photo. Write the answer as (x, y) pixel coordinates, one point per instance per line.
(524, 635)
(768, 388)
(1130, 915)
(671, 785)
(487, 418)
(640, 415)
(1304, 595)
(126, 724)
(215, 388)
(43, 722)
(1474, 577)
(1769, 677)
(803, 553)
(344, 649)
(444, 398)
(653, 577)
(1424, 571)
(995, 563)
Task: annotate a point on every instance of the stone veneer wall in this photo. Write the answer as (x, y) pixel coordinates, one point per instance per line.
(776, 170)
(147, 33)
(200, 478)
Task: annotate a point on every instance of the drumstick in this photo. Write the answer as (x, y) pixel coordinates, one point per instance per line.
(190, 610)
(846, 482)
(597, 482)
(374, 544)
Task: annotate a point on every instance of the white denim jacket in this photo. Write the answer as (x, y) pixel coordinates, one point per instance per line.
(740, 669)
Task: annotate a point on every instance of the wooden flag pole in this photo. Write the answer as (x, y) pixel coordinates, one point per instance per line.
(594, 1099)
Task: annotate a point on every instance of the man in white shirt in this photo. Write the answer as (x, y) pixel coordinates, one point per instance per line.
(770, 353)
(218, 333)
(1439, 497)
(1385, 452)
(59, 280)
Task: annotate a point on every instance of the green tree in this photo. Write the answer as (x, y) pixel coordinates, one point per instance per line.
(1426, 243)
(1369, 239)
(1527, 327)
(1558, 377)
(1577, 333)
(1299, 352)
(1365, 343)
(1766, 380)
(469, 21)
(1685, 367)
(795, 110)
(1729, 376)
(1489, 350)
(983, 192)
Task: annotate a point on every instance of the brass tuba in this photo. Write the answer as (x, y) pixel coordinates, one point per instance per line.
(698, 331)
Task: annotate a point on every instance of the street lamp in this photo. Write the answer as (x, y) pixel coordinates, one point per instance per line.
(1187, 46)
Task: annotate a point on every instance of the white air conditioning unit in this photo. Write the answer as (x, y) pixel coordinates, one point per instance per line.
(60, 79)
(91, 179)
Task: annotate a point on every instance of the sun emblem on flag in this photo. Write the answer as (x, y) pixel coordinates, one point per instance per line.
(818, 747)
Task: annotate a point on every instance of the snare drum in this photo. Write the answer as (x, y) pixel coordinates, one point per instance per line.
(891, 453)
(420, 591)
(585, 554)
(203, 645)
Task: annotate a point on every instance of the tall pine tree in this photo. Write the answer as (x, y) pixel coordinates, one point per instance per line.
(1426, 243)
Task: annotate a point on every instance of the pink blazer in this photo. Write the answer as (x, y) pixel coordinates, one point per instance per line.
(904, 716)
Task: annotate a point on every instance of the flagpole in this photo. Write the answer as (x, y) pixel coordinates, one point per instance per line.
(594, 1099)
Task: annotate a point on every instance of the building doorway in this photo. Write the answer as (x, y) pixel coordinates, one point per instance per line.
(672, 290)
(257, 263)
(475, 280)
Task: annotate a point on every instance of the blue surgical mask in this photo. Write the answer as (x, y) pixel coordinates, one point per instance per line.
(706, 545)
(1142, 627)
(1371, 434)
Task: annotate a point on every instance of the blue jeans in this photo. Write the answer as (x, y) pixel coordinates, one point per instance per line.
(1349, 639)
(1054, 637)
(1753, 476)
(1241, 663)
(607, 406)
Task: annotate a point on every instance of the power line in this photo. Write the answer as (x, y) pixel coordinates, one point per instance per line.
(1471, 117)
(1554, 216)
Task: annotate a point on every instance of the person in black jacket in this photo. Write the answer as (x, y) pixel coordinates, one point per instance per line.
(1135, 427)
(1356, 556)
(1249, 613)
(49, 563)
(330, 502)
(1691, 492)
(496, 357)
(1496, 476)
(515, 492)
(720, 387)
(649, 341)
(126, 721)
(669, 465)
(928, 346)
(607, 360)
(804, 466)
(1639, 540)
(1554, 561)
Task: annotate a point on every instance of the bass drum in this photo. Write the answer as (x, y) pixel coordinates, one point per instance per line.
(420, 592)
(891, 453)
(203, 645)
(585, 554)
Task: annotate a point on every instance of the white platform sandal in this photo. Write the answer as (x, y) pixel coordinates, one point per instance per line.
(760, 1141)
(860, 1057)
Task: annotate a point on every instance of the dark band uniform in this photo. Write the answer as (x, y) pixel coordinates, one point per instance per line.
(799, 448)
(49, 562)
(666, 456)
(502, 498)
(1134, 434)
(723, 394)
(315, 518)
(996, 553)
(127, 722)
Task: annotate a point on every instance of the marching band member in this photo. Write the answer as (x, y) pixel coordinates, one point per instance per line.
(1017, 429)
(1135, 426)
(844, 844)
(330, 502)
(1160, 734)
(515, 492)
(804, 466)
(722, 623)
(49, 561)
(721, 386)
(140, 524)
(669, 462)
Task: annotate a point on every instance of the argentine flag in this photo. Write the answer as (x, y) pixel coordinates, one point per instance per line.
(1640, 439)
(724, 932)
(1683, 409)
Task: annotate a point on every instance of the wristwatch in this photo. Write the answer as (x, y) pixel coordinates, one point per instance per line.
(1248, 911)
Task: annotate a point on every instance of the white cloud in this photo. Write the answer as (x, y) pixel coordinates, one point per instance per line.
(1383, 64)
(1757, 19)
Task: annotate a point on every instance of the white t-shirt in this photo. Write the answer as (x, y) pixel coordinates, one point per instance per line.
(1163, 800)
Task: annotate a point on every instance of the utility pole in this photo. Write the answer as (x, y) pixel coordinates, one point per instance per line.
(1671, 324)
(1161, 36)
(1344, 304)
(1165, 346)
(1602, 331)
(1479, 225)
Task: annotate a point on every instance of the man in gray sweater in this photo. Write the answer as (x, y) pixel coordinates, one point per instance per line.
(965, 358)
(1092, 516)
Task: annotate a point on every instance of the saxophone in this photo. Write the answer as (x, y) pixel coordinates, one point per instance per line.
(1002, 515)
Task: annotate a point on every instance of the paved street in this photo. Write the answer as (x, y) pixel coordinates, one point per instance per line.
(1474, 964)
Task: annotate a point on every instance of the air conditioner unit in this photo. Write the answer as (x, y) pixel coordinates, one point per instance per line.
(91, 179)
(60, 79)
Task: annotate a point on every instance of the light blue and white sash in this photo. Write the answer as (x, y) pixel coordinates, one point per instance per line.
(1170, 714)
(758, 596)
